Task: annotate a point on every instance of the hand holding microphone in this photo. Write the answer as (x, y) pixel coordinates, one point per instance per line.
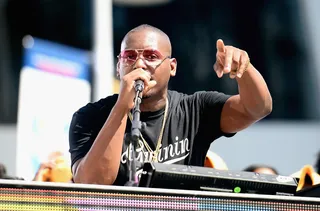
(136, 80)
(143, 86)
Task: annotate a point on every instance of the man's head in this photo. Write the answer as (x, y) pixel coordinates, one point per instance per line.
(261, 169)
(149, 48)
(3, 171)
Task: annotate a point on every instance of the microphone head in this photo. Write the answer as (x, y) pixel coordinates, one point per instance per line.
(139, 85)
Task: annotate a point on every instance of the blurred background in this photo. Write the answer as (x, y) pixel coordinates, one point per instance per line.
(56, 56)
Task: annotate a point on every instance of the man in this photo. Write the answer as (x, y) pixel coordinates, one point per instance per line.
(261, 169)
(3, 171)
(179, 127)
(4, 175)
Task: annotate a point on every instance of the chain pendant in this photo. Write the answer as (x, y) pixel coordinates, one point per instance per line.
(155, 157)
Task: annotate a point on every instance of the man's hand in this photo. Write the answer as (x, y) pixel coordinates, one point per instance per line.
(253, 102)
(44, 172)
(127, 91)
(230, 60)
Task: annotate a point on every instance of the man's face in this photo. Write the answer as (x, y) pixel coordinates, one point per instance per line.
(149, 51)
(264, 171)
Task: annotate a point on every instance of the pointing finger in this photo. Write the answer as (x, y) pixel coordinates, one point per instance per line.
(220, 46)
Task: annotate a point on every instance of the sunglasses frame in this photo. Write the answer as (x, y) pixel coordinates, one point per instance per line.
(140, 52)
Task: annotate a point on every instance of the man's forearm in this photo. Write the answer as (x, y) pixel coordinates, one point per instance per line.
(254, 93)
(101, 164)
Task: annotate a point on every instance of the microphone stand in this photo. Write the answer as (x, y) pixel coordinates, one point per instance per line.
(134, 139)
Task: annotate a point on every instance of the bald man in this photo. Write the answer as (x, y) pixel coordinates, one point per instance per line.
(179, 127)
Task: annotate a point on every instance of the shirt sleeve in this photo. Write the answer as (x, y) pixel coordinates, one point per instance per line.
(81, 133)
(211, 104)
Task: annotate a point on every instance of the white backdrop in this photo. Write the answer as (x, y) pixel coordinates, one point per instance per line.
(54, 83)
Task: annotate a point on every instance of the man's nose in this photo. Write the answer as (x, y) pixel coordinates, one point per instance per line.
(140, 63)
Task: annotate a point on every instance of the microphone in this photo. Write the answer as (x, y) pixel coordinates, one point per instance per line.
(139, 85)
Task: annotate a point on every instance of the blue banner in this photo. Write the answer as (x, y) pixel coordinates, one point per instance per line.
(58, 59)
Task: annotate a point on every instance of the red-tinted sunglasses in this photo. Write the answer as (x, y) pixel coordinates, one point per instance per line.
(151, 57)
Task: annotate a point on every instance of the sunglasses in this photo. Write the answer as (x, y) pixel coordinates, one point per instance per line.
(151, 57)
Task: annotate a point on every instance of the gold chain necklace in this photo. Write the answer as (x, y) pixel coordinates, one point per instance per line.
(156, 152)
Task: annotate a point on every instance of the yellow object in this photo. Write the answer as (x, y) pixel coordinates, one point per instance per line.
(61, 172)
(307, 177)
(213, 160)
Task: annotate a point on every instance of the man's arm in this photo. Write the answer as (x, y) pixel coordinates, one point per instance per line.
(253, 101)
(101, 164)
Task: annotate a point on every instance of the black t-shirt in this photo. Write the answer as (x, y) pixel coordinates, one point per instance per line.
(193, 123)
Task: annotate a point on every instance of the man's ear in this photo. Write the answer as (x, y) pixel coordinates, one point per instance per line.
(173, 66)
(118, 69)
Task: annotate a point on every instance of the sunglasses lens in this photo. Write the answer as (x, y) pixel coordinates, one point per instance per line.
(129, 55)
(151, 55)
